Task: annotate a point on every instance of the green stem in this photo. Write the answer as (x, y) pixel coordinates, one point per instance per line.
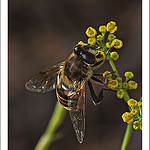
(113, 65)
(49, 135)
(126, 137)
(126, 98)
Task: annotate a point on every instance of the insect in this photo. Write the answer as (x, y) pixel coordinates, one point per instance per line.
(69, 78)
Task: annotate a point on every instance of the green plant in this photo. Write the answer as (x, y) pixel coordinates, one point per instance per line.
(102, 42)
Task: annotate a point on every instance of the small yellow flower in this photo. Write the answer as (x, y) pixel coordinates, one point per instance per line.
(111, 37)
(132, 85)
(91, 32)
(81, 43)
(136, 125)
(108, 45)
(120, 93)
(128, 117)
(112, 84)
(107, 74)
(125, 86)
(92, 41)
(100, 55)
(114, 55)
(114, 30)
(117, 43)
(132, 103)
(134, 112)
(103, 29)
(111, 27)
(100, 38)
(139, 104)
(129, 75)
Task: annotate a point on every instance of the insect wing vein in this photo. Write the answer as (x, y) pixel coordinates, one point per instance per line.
(78, 116)
(44, 81)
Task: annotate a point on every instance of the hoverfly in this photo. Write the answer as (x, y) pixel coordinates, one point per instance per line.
(68, 78)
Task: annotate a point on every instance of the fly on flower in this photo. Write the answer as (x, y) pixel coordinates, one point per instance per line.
(69, 78)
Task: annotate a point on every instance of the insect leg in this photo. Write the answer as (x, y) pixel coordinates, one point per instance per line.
(96, 100)
(99, 81)
(101, 74)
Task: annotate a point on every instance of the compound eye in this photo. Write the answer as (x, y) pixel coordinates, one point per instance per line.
(78, 50)
(100, 56)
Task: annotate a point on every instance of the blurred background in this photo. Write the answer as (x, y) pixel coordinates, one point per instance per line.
(41, 34)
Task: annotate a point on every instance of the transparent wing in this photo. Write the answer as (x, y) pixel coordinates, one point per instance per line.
(45, 80)
(78, 116)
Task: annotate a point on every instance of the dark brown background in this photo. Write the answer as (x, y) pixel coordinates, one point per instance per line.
(42, 33)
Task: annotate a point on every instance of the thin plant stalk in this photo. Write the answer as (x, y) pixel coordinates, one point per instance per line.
(126, 137)
(49, 135)
(126, 98)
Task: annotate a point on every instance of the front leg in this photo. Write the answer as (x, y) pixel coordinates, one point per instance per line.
(99, 81)
(96, 99)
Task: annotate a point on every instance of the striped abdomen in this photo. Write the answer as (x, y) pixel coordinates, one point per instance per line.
(68, 96)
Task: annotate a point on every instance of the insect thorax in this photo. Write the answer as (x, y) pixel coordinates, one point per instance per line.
(76, 70)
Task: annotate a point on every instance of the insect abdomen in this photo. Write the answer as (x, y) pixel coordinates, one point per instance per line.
(67, 97)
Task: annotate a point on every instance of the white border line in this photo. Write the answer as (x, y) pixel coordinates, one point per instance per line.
(4, 75)
(145, 73)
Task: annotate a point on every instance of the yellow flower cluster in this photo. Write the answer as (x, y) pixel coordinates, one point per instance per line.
(99, 39)
(133, 115)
